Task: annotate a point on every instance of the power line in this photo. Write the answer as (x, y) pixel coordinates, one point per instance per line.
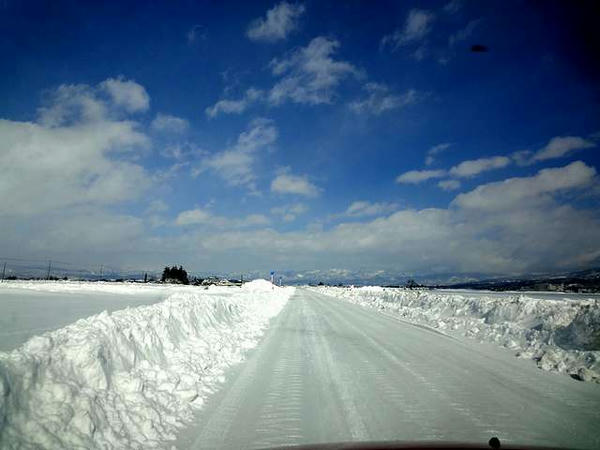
(44, 268)
(37, 260)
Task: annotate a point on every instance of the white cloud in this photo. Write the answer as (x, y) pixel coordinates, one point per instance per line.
(434, 151)
(74, 234)
(75, 155)
(71, 103)
(197, 32)
(183, 152)
(157, 206)
(561, 146)
(476, 166)
(286, 183)
(280, 21)
(532, 233)
(464, 33)
(521, 224)
(169, 124)
(204, 217)
(537, 233)
(418, 176)
(449, 185)
(127, 94)
(522, 157)
(253, 220)
(527, 191)
(78, 103)
(235, 167)
(445, 55)
(63, 175)
(225, 106)
(557, 147)
(381, 100)
(288, 213)
(236, 164)
(364, 208)
(60, 175)
(310, 74)
(417, 26)
(453, 6)
(194, 217)
(540, 232)
(261, 132)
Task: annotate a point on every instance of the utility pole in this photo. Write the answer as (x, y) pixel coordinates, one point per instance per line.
(101, 269)
(3, 270)
(49, 267)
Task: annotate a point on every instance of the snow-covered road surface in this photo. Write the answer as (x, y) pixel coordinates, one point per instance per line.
(330, 371)
(560, 332)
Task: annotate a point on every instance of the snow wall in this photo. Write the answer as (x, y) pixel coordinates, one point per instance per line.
(561, 335)
(131, 378)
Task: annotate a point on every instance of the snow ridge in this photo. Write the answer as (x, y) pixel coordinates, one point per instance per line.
(131, 378)
(560, 335)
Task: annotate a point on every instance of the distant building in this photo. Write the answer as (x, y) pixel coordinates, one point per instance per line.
(216, 281)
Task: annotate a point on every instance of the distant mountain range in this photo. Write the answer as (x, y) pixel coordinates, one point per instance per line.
(586, 280)
(579, 281)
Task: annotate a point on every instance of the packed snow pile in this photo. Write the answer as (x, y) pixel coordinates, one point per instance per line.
(258, 286)
(131, 378)
(561, 335)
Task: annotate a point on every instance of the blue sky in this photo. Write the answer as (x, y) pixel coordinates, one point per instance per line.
(310, 135)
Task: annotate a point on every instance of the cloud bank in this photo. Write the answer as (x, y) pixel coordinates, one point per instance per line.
(279, 22)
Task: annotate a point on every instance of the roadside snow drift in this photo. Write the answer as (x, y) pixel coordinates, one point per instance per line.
(131, 378)
(561, 335)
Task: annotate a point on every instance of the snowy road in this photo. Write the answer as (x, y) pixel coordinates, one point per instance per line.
(329, 371)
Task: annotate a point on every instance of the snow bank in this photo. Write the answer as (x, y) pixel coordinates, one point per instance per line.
(370, 289)
(129, 379)
(259, 286)
(562, 336)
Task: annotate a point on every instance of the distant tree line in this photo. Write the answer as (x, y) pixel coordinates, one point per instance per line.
(175, 275)
(412, 284)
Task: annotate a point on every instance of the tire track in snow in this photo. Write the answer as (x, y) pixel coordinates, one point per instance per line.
(218, 427)
(340, 378)
(453, 404)
(279, 421)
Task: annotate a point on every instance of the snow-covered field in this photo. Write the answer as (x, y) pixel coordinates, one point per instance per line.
(29, 308)
(560, 332)
(130, 378)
